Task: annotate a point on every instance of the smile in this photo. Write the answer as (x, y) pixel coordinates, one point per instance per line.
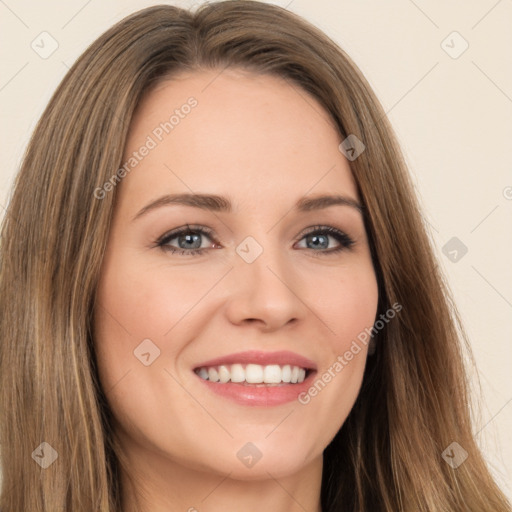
(257, 378)
(272, 374)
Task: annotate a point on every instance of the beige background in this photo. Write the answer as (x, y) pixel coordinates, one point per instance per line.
(453, 117)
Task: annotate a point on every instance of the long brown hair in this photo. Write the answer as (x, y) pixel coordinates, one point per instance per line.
(414, 401)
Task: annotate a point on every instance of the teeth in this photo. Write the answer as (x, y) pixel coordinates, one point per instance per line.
(253, 373)
(213, 374)
(237, 373)
(272, 374)
(203, 373)
(224, 374)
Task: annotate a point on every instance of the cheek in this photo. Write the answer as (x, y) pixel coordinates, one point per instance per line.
(346, 302)
(139, 300)
(147, 301)
(348, 307)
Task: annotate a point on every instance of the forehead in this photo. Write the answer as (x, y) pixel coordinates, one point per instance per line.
(252, 137)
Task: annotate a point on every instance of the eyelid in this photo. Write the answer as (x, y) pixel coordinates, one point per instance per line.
(323, 228)
(183, 229)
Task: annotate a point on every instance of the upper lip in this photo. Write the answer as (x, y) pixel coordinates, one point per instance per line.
(281, 357)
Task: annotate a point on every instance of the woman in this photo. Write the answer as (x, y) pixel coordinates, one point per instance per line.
(250, 372)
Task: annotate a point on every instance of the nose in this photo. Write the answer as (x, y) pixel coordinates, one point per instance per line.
(265, 292)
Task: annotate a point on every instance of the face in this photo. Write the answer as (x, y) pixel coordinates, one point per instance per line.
(244, 292)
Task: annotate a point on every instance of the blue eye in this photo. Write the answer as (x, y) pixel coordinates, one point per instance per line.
(319, 236)
(189, 240)
(191, 236)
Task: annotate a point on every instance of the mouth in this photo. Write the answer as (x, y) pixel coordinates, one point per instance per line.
(254, 374)
(255, 378)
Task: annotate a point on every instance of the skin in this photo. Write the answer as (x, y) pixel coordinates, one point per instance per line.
(263, 144)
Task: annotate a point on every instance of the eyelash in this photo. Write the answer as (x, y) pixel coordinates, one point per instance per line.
(345, 241)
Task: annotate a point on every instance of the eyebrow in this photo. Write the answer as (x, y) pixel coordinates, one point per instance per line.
(218, 203)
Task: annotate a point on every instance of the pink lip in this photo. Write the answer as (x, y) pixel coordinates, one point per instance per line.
(281, 357)
(258, 394)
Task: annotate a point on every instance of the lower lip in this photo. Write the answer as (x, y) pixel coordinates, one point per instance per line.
(257, 394)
